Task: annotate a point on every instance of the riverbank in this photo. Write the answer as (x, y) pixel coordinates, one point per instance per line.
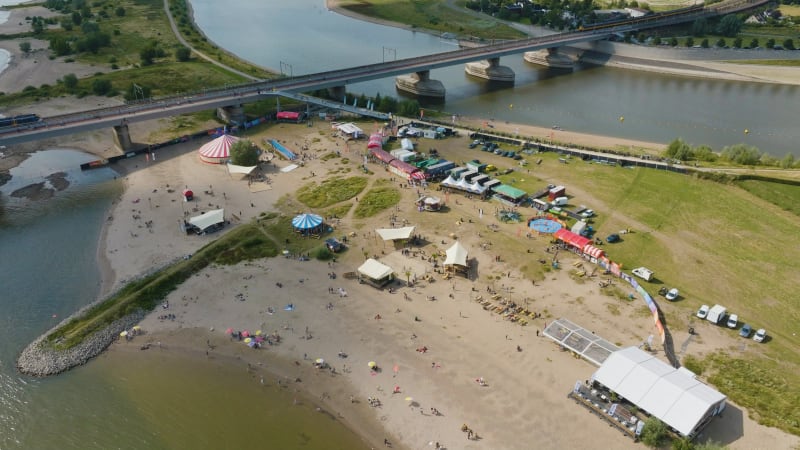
(526, 388)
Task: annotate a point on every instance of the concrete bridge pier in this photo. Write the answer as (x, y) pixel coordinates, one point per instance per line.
(232, 114)
(337, 92)
(420, 83)
(122, 137)
(549, 57)
(491, 70)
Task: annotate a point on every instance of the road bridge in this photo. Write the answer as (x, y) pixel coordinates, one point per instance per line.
(232, 98)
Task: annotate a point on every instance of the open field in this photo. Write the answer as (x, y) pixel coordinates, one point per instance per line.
(432, 16)
(717, 243)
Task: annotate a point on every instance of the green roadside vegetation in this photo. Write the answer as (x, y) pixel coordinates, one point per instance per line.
(433, 15)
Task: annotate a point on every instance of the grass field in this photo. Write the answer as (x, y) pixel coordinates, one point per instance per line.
(331, 191)
(432, 15)
(733, 244)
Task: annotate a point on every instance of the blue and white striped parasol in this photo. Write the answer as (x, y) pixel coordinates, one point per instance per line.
(306, 221)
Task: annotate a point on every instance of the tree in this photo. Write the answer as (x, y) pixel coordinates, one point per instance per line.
(244, 153)
(699, 27)
(25, 47)
(673, 42)
(678, 149)
(183, 54)
(77, 18)
(120, 11)
(682, 444)
(787, 162)
(704, 43)
(788, 44)
(721, 43)
(101, 86)
(770, 43)
(737, 42)
(60, 46)
(730, 25)
(653, 433)
(754, 43)
(690, 42)
(70, 81)
(741, 154)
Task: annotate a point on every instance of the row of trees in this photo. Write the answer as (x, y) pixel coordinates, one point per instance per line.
(746, 155)
(737, 42)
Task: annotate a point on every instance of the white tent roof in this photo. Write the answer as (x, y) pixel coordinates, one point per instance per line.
(349, 128)
(456, 255)
(208, 219)
(391, 234)
(675, 397)
(375, 270)
(244, 170)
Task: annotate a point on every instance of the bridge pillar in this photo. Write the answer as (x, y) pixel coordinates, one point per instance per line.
(122, 137)
(420, 83)
(491, 70)
(337, 92)
(232, 114)
(550, 58)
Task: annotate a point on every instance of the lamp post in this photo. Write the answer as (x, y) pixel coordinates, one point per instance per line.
(392, 51)
(284, 67)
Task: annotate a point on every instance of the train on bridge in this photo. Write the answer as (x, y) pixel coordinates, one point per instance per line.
(18, 120)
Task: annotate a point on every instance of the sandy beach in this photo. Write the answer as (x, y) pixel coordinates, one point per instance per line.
(525, 399)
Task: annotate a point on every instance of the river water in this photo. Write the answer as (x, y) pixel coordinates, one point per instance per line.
(302, 36)
(47, 248)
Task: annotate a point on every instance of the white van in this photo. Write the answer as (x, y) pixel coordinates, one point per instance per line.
(560, 201)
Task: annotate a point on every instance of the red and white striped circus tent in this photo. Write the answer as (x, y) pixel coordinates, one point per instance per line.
(218, 151)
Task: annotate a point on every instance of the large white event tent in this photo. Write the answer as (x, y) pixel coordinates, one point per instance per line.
(218, 151)
(208, 219)
(674, 396)
(456, 257)
(393, 234)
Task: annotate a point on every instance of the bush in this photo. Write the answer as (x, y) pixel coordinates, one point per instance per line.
(101, 86)
(653, 433)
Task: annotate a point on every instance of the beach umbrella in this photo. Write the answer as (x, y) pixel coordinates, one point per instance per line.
(258, 332)
(124, 333)
(137, 328)
(245, 333)
(248, 340)
(320, 361)
(229, 331)
(371, 364)
(409, 399)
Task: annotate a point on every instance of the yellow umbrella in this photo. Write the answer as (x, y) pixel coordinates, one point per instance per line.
(137, 328)
(258, 332)
(248, 340)
(409, 399)
(371, 364)
(320, 361)
(124, 333)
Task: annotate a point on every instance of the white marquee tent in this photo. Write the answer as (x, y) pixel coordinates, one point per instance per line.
(393, 234)
(456, 255)
(242, 170)
(208, 219)
(675, 396)
(376, 272)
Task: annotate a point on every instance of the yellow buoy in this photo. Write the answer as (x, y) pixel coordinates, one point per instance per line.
(621, 119)
(746, 131)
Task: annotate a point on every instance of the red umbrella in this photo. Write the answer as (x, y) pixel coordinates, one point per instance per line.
(245, 333)
(229, 331)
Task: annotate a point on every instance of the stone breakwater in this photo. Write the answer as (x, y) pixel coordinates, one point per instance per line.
(40, 359)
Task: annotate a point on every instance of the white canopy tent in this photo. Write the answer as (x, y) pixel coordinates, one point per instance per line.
(350, 129)
(393, 234)
(208, 219)
(674, 396)
(242, 170)
(376, 272)
(456, 259)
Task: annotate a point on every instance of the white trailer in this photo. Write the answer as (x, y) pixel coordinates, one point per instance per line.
(716, 314)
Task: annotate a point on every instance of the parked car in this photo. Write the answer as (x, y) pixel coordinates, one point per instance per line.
(745, 331)
(733, 321)
(587, 214)
(334, 245)
(672, 294)
(491, 168)
(703, 311)
(612, 238)
(760, 335)
(475, 143)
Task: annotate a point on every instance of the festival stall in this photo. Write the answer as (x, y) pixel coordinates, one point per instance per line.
(456, 260)
(207, 222)
(374, 273)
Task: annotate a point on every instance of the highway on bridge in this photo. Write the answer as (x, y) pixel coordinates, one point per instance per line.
(149, 109)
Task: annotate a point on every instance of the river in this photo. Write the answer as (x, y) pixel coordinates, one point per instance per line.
(48, 267)
(656, 108)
